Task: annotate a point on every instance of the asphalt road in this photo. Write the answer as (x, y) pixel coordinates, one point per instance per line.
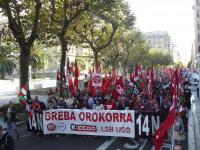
(28, 141)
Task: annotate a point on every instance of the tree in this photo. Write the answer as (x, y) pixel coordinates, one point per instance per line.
(64, 13)
(82, 61)
(135, 50)
(101, 25)
(39, 58)
(7, 65)
(159, 57)
(127, 49)
(178, 64)
(23, 20)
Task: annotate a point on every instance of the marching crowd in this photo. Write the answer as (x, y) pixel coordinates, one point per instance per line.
(160, 103)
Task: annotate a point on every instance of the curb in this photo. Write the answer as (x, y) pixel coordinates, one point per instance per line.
(21, 123)
(191, 133)
(196, 131)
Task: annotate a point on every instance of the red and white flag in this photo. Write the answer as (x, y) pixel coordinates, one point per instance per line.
(22, 96)
(119, 88)
(71, 86)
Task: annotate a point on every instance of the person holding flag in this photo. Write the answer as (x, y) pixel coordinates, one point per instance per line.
(25, 98)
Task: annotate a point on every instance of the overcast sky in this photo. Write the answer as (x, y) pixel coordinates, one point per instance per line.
(174, 16)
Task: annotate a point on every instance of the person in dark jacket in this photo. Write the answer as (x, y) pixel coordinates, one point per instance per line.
(164, 109)
(6, 141)
(123, 105)
(187, 94)
(11, 119)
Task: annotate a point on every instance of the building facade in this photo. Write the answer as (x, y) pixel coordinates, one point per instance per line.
(73, 53)
(159, 40)
(196, 9)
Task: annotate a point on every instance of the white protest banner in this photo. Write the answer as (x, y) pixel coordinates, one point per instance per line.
(96, 80)
(90, 122)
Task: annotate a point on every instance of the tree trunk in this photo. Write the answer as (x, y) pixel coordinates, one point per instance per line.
(63, 44)
(3, 75)
(24, 66)
(124, 70)
(96, 60)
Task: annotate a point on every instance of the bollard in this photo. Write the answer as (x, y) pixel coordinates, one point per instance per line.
(197, 92)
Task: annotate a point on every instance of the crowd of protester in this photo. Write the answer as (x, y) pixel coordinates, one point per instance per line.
(161, 102)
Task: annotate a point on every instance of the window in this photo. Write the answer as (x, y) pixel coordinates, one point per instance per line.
(198, 26)
(197, 15)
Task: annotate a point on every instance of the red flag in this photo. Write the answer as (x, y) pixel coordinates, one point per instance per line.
(113, 73)
(160, 133)
(136, 70)
(89, 85)
(76, 75)
(150, 83)
(90, 88)
(69, 67)
(71, 86)
(119, 88)
(131, 77)
(107, 85)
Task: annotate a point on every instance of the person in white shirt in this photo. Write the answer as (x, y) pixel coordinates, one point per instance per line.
(98, 105)
(70, 101)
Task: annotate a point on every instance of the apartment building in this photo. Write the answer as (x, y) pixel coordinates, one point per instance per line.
(159, 40)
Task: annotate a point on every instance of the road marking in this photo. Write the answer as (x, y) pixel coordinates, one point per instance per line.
(23, 136)
(106, 144)
(128, 146)
(144, 143)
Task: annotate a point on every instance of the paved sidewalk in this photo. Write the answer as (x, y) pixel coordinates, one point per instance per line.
(2, 122)
(193, 124)
(11, 88)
